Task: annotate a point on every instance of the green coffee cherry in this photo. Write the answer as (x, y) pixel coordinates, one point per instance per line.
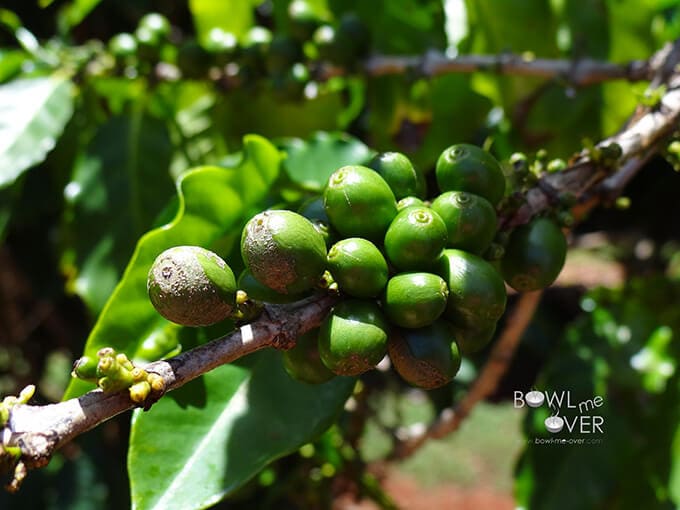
(358, 267)
(303, 362)
(152, 31)
(284, 251)
(472, 340)
(477, 294)
(470, 220)
(313, 209)
(400, 174)
(291, 84)
(414, 300)
(302, 19)
(193, 61)
(353, 39)
(258, 291)
(222, 45)
(465, 167)
(283, 52)
(410, 201)
(353, 338)
(192, 286)
(534, 255)
(359, 203)
(157, 24)
(123, 46)
(255, 47)
(427, 357)
(415, 238)
(324, 39)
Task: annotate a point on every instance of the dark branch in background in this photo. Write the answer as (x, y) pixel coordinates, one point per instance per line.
(579, 72)
(38, 431)
(410, 439)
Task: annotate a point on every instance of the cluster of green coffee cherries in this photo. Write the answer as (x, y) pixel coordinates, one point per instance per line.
(420, 280)
(282, 57)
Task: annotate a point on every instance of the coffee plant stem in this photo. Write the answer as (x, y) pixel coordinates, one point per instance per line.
(577, 73)
(594, 177)
(40, 430)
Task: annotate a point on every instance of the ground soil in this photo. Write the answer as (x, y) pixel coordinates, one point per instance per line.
(409, 495)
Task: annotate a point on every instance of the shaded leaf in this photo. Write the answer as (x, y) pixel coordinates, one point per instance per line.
(230, 424)
(118, 187)
(214, 203)
(242, 111)
(629, 465)
(33, 113)
(310, 163)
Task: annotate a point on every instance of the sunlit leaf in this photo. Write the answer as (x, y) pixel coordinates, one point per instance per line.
(230, 424)
(214, 203)
(33, 113)
(234, 17)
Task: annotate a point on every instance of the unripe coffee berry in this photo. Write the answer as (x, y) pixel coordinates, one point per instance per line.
(192, 286)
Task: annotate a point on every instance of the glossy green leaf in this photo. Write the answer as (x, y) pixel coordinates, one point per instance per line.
(214, 203)
(121, 182)
(204, 440)
(33, 113)
(230, 16)
(310, 163)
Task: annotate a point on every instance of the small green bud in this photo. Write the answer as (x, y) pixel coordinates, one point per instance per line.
(26, 394)
(556, 165)
(85, 368)
(622, 203)
(139, 391)
(157, 383)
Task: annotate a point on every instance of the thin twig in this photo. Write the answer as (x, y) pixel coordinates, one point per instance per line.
(577, 73)
(412, 438)
(587, 176)
(40, 430)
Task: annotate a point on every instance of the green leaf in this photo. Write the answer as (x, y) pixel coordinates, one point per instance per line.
(623, 352)
(234, 17)
(71, 15)
(310, 163)
(33, 113)
(243, 111)
(214, 203)
(10, 63)
(206, 439)
(122, 181)
(405, 27)
(452, 99)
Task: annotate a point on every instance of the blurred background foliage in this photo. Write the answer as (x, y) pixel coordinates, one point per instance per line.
(100, 143)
